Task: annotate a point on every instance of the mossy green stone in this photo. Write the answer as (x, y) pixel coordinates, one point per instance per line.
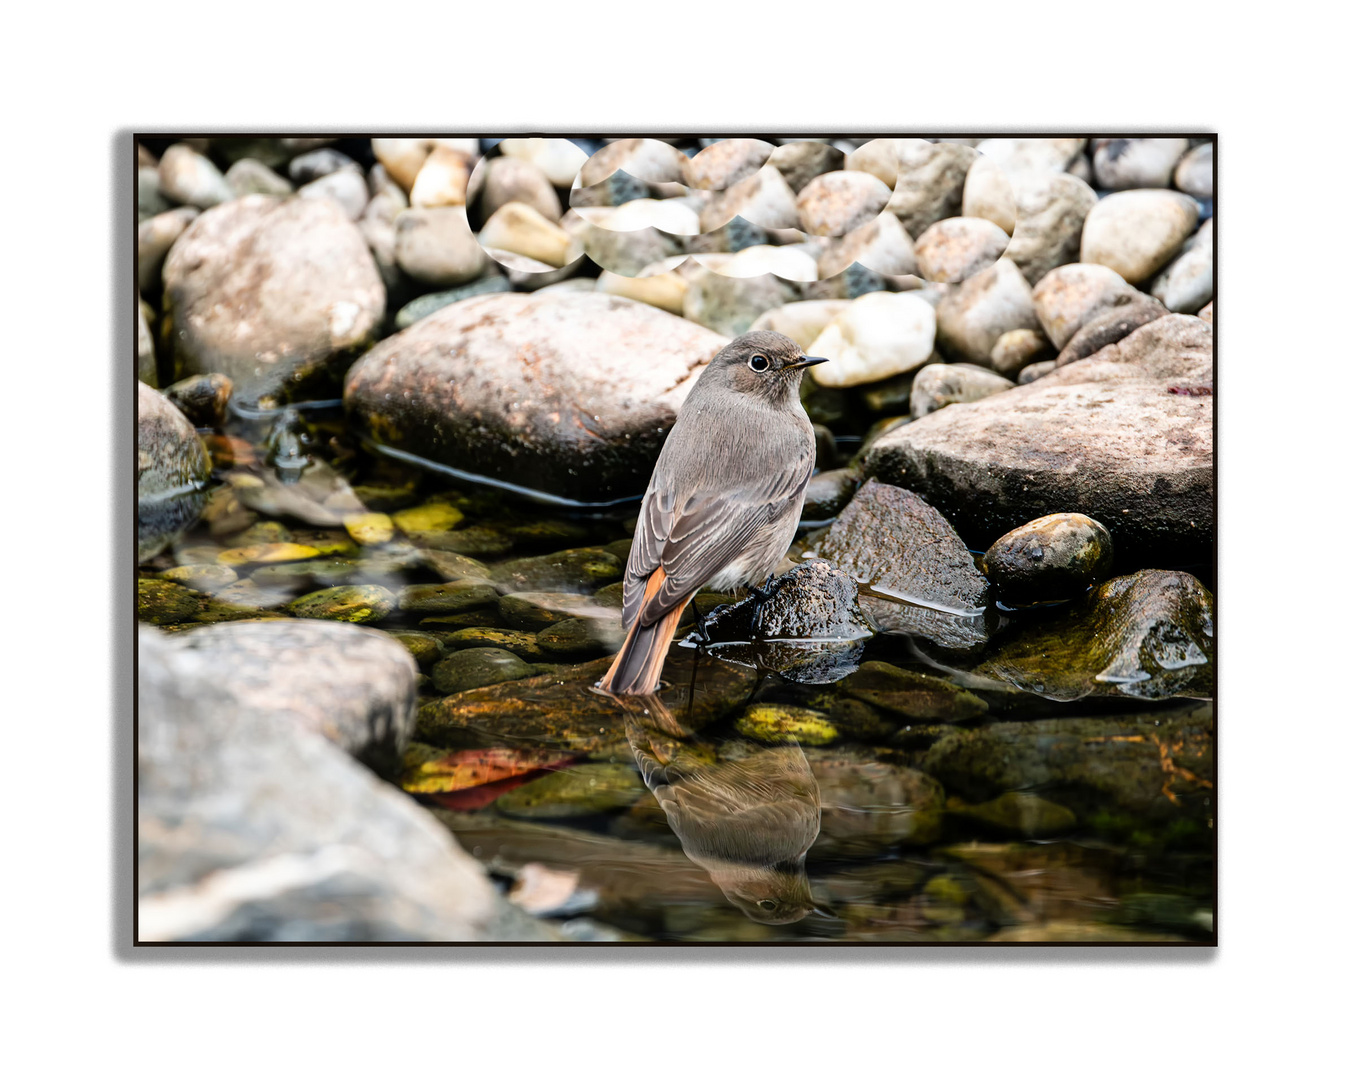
(446, 599)
(429, 517)
(345, 603)
(324, 572)
(204, 577)
(473, 668)
(592, 788)
(1021, 814)
(520, 642)
(425, 648)
(160, 602)
(577, 570)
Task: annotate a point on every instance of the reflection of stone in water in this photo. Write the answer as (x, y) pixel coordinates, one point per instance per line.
(945, 628)
(749, 822)
(814, 663)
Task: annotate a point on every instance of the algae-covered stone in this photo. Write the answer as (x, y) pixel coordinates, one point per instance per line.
(446, 599)
(786, 723)
(538, 610)
(893, 539)
(1052, 558)
(472, 668)
(345, 603)
(369, 530)
(520, 642)
(564, 711)
(1149, 635)
(580, 570)
(911, 694)
(322, 572)
(455, 567)
(1019, 813)
(868, 806)
(477, 540)
(592, 788)
(429, 517)
(1156, 766)
(172, 470)
(162, 603)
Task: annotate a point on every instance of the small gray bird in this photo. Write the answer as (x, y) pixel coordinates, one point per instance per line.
(724, 500)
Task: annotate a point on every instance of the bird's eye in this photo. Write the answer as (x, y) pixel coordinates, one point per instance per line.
(768, 905)
(759, 363)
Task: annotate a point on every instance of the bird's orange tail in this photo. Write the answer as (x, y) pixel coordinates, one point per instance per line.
(637, 668)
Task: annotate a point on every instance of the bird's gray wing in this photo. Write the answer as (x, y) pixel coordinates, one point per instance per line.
(692, 531)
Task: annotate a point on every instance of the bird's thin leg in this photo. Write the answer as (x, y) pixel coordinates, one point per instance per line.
(704, 639)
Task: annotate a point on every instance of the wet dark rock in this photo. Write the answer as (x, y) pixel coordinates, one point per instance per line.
(345, 603)
(584, 638)
(592, 788)
(253, 829)
(580, 570)
(890, 397)
(271, 293)
(418, 309)
(1156, 766)
(203, 399)
(538, 389)
(773, 724)
(520, 642)
(912, 695)
(858, 720)
(356, 687)
(939, 385)
(1150, 635)
(1120, 436)
(810, 663)
(564, 711)
(474, 541)
(538, 610)
(172, 470)
(829, 492)
(892, 538)
(1018, 813)
(473, 668)
(1109, 327)
(811, 601)
(447, 599)
(1052, 558)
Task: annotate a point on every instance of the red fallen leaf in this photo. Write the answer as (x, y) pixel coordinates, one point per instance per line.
(476, 798)
(464, 769)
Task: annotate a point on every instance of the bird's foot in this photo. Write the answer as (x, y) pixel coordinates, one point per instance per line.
(704, 637)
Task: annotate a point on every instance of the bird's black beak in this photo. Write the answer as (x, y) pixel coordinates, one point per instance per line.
(807, 361)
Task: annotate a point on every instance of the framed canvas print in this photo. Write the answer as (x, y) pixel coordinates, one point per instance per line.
(651, 539)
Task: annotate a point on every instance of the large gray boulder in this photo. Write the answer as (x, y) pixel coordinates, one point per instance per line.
(1124, 436)
(270, 292)
(250, 828)
(355, 686)
(567, 393)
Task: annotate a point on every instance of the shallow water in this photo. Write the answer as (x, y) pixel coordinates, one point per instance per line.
(690, 816)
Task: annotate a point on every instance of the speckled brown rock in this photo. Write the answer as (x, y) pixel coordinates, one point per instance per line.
(270, 292)
(802, 160)
(1054, 557)
(1069, 296)
(892, 538)
(725, 162)
(1052, 208)
(1124, 437)
(570, 393)
(930, 179)
(957, 248)
(937, 386)
(836, 202)
(978, 312)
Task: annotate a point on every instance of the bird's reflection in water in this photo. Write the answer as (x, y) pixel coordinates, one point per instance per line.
(748, 821)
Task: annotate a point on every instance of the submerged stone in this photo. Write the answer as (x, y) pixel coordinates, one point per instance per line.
(786, 724)
(911, 694)
(868, 806)
(580, 570)
(345, 603)
(540, 610)
(447, 599)
(1018, 813)
(172, 470)
(519, 642)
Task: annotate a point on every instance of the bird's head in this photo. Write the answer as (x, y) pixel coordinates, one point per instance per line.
(764, 364)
